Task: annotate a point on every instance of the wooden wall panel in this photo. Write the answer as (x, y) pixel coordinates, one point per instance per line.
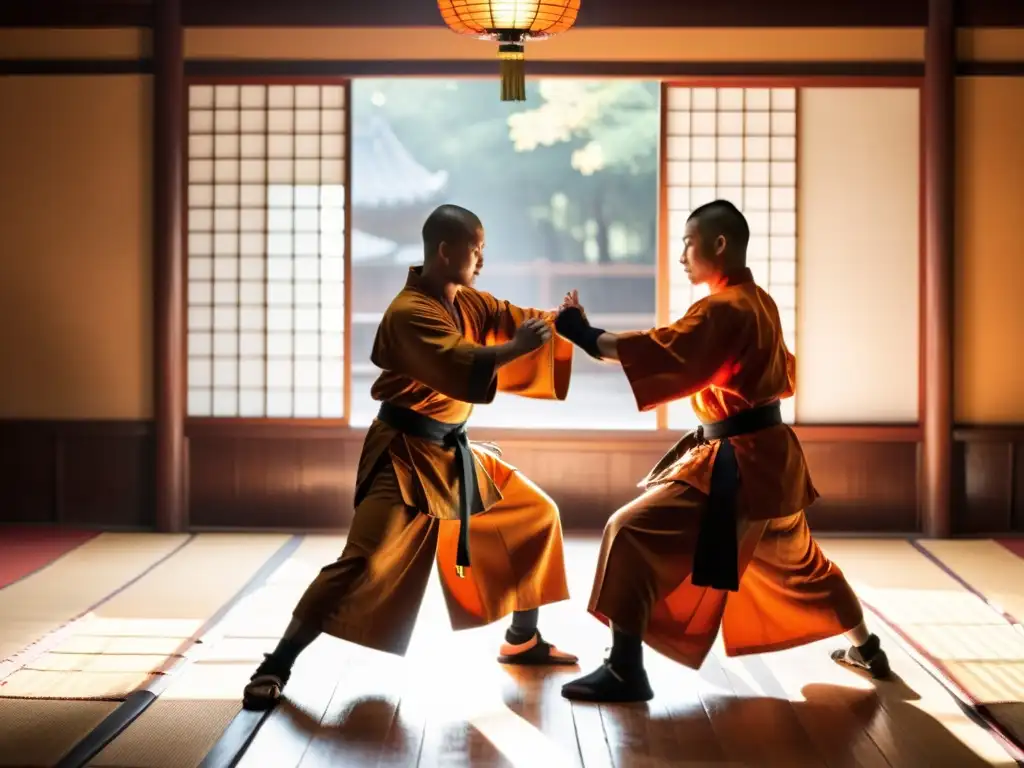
(271, 478)
(1017, 499)
(253, 476)
(988, 477)
(82, 473)
(864, 486)
(27, 473)
(105, 476)
(303, 477)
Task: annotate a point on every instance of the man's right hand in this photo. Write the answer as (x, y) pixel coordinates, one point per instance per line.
(533, 333)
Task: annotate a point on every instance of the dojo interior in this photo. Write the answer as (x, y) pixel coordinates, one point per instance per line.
(166, 495)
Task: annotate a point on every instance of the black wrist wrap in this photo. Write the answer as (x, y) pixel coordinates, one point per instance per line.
(572, 325)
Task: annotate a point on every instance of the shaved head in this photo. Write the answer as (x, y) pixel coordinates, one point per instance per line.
(721, 218)
(453, 245)
(451, 224)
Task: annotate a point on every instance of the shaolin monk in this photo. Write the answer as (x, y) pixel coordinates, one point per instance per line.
(424, 491)
(719, 537)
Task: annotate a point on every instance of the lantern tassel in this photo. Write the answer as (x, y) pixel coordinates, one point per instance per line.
(513, 72)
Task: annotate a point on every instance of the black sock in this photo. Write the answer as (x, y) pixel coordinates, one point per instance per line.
(290, 646)
(869, 647)
(524, 626)
(627, 651)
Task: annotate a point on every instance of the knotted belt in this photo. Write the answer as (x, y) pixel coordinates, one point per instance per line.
(421, 427)
(716, 555)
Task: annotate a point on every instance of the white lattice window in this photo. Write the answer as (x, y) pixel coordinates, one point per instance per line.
(266, 251)
(737, 144)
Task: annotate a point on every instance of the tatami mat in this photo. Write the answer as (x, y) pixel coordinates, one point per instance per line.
(165, 608)
(39, 733)
(988, 567)
(206, 696)
(993, 672)
(85, 576)
(24, 550)
(179, 734)
(1016, 545)
(16, 635)
(74, 584)
(969, 641)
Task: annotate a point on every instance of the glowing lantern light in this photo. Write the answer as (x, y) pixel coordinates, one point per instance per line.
(511, 23)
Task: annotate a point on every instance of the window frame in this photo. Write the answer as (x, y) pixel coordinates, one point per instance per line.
(665, 244)
(316, 422)
(333, 426)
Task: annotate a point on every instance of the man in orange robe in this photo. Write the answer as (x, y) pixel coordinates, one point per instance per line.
(442, 347)
(719, 538)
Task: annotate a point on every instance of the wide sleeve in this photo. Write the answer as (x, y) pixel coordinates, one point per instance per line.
(790, 375)
(675, 361)
(542, 374)
(424, 344)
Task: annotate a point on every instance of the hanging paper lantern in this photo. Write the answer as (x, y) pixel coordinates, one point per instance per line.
(511, 23)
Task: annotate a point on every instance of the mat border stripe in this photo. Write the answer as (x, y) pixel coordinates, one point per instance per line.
(941, 565)
(235, 740)
(55, 637)
(92, 536)
(138, 702)
(977, 711)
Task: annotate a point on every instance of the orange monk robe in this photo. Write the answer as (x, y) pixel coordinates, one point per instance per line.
(727, 353)
(409, 489)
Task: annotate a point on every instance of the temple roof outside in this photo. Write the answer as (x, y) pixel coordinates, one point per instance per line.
(367, 247)
(388, 176)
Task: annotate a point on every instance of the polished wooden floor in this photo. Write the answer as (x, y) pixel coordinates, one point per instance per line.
(449, 704)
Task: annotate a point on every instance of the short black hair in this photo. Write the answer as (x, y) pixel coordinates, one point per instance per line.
(449, 224)
(720, 217)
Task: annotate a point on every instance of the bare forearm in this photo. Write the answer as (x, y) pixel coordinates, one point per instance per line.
(503, 354)
(608, 346)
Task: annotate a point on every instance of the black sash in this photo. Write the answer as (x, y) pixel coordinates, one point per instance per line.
(413, 424)
(716, 556)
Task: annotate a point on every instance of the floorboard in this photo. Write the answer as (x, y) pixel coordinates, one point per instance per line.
(449, 704)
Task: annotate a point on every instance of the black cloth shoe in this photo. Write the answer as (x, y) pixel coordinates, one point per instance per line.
(610, 686)
(868, 657)
(264, 688)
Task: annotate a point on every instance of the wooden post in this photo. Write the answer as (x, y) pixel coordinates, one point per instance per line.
(168, 299)
(663, 249)
(939, 201)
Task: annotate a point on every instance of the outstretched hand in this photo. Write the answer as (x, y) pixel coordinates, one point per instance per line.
(572, 300)
(572, 324)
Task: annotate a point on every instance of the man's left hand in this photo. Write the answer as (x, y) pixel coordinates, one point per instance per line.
(572, 299)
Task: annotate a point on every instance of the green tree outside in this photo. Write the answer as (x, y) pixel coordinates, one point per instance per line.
(569, 175)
